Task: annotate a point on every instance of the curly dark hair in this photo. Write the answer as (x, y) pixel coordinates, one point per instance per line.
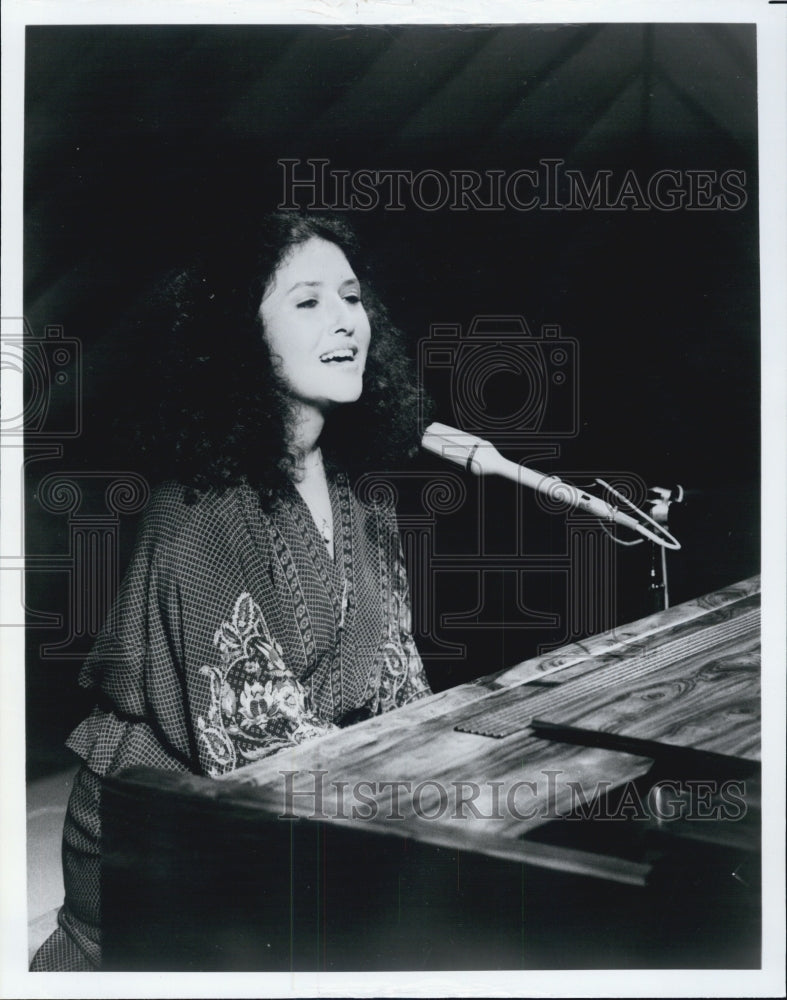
(226, 412)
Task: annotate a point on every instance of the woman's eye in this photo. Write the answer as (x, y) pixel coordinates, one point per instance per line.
(307, 304)
(353, 298)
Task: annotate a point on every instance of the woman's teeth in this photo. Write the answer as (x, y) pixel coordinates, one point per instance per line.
(344, 354)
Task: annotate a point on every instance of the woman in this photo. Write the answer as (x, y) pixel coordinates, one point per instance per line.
(266, 603)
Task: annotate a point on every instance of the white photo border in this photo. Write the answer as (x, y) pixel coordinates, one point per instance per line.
(771, 21)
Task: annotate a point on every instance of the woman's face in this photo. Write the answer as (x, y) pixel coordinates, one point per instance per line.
(316, 326)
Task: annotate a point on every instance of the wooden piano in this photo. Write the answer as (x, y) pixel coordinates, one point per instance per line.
(597, 807)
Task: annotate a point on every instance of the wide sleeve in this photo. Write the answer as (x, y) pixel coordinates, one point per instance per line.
(185, 673)
(256, 706)
(133, 671)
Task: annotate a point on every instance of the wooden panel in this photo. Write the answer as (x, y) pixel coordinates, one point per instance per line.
(459, 853)
(572, 661)
(695, 689)
(418, 754)
(199, 875)
(432, 768)
(707, 700)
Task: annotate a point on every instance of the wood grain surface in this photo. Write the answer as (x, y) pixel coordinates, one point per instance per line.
(411, 841)
(422, 777)
(696, 690)
(709, 703)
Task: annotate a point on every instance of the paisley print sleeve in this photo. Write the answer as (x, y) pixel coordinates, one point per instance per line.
(256, 705)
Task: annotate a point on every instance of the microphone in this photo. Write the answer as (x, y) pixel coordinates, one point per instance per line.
(483, 459)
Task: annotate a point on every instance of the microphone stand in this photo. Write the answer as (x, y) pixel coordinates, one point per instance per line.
(478, 456)
(658, 594)
(659, 503)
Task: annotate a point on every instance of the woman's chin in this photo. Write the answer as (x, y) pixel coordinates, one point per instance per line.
(344, 395)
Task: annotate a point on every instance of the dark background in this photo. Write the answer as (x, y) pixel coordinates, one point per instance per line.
(141, 142)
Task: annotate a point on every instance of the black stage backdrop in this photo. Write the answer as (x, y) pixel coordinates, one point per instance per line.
(141, 142)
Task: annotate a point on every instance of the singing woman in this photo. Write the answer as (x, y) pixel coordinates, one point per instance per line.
(266, 601)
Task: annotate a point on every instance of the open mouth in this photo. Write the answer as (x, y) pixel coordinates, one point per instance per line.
(340, 356)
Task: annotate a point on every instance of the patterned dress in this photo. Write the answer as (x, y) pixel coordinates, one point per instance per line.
(234, 635)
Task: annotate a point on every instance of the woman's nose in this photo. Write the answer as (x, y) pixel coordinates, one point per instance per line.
(342, 318)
